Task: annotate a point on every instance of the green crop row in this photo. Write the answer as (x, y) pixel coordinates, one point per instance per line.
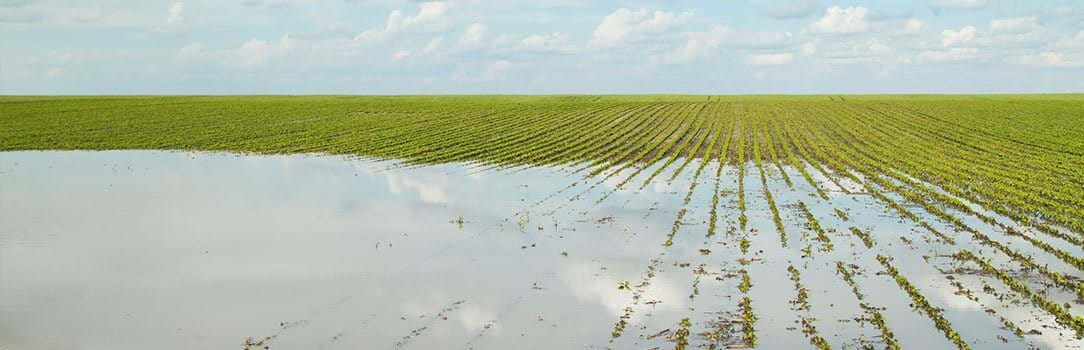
(922, 304)
(875, 316)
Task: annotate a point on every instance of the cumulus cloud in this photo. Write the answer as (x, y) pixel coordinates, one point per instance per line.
(1014, 25)
(948, 55)
(54, 72)
(837, 20)
(1067, 53)
(432, 192)
(89, 63)
(250, 54)
(697, 45)
(175, 24)
(496, 69)
(792, 9)
(1020, 32)
(762, 40)
(555, 42)
(455, 42)
(75, 57)
(430, 49)
(473, 34)
(957, 37)
(432, 17)
(769, 59)
(267, 4)
(401, 55)
(913, 26)
(864, 51)
(1015, 32)
(1072, 42)
(326, 30)
(963, 4)
(1054, 59)
(624, 24)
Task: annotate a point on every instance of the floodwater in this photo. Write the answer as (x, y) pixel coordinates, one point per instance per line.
(172, 250)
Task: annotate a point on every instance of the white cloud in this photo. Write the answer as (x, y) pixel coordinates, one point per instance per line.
(1074, 42)
(175, 24)
(963, 4)
(266, 4)
(88, 62)
(810, 47)
(1054, 59)
(1014, 25)
(54, 72)
(326, 30)
(952, 54)
(250, 54)
(73, 57)
(860, 52)
(401, 55)
(957, 37)
(624, 24)
(1067, 52)
(552, 42)
(914, 26)
(434, 46)
(433, 192)
(697, 45)
(1021, 32)
(432, 17)
(839, 20)
(456, 46)
(762, 40)
(430, 49)
(496, 69)
(792, 9)
(771, 59)
(96, 15)
(474, 34)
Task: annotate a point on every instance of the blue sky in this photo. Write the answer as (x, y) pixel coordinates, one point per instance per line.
(539, 46)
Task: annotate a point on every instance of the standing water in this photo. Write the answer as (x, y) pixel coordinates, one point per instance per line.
(138, 249)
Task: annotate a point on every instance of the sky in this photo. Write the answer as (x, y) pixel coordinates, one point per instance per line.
(539, 47)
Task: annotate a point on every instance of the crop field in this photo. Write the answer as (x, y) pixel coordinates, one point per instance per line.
(896, 221)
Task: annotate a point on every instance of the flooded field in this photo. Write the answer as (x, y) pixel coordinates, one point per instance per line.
(149, 249)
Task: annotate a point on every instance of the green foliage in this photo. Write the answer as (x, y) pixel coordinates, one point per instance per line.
(862, 235)
(875, 317)
(746, 283)
(920, 303)
(748, 322)
(1060, 313)
(813, 224)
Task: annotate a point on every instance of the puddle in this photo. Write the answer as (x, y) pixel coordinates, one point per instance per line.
(137, 249)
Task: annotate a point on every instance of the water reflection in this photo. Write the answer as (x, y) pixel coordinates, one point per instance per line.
(429, 189)
(179, 250)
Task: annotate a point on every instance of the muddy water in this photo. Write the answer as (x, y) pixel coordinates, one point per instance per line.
(141, 249)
